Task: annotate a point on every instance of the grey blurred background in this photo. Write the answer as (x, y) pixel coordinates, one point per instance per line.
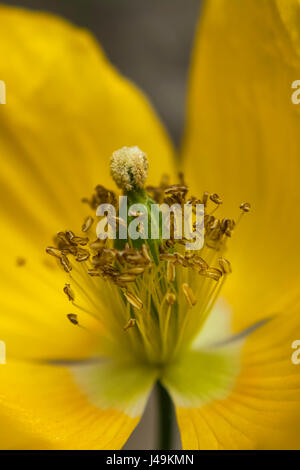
(150, 41)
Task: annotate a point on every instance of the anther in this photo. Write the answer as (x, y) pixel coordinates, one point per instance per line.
(121, 222)
(171, 298)
(205, 198)
(97, 245)
(200, 262)
(213, 273)
(137, 270)
(82, 255)
(168, 257)
(87, 224)
(133, 300)
(65, 263)
(80, 240)
(171, 271)
(189, 295)
(71, 238)
(72, 317)
(216, 199)
(145, 253)
(130, 324)
(68, 291)
(53, 252)
(245, 207)
(175, 189)
(126, 278)
(180, 259)
(93, 272)
(225, 265)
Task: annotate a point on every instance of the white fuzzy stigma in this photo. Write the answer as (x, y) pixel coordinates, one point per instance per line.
(129, 168)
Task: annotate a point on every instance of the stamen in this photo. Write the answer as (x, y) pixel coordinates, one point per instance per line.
(216, 199)
(74, 240)
(189, 295)
(205, 198)
(87, 224)
(130, 324)
(146, 254)
(150, 285)
(201, 263)
(93, 272)
(68, 291)
(137, 270)
(53, 252)
(245, 207)
(72, 317)
(168, 257)
(101, 196)
(126, 278)
(97, 245)
(171, 271)
(133, 300)
(171, 298)
(65, 263)
(82, 255)
(214, 273)
(225, 265)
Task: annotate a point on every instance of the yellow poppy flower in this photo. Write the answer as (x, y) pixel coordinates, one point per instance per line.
(225, 358)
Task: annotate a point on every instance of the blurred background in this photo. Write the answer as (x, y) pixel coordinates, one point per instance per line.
(150, 41)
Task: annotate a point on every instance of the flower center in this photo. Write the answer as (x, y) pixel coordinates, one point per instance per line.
(149, 296)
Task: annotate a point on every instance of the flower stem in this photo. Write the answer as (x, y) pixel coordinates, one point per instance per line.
(166, 418)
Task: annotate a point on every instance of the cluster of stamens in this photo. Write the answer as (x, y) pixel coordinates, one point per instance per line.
(149, 289)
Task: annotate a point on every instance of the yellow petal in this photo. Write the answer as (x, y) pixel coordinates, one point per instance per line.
(67, 110)
(17, 439)
(33, 319)
(69, 408)
(242, 139)
(263, 409)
